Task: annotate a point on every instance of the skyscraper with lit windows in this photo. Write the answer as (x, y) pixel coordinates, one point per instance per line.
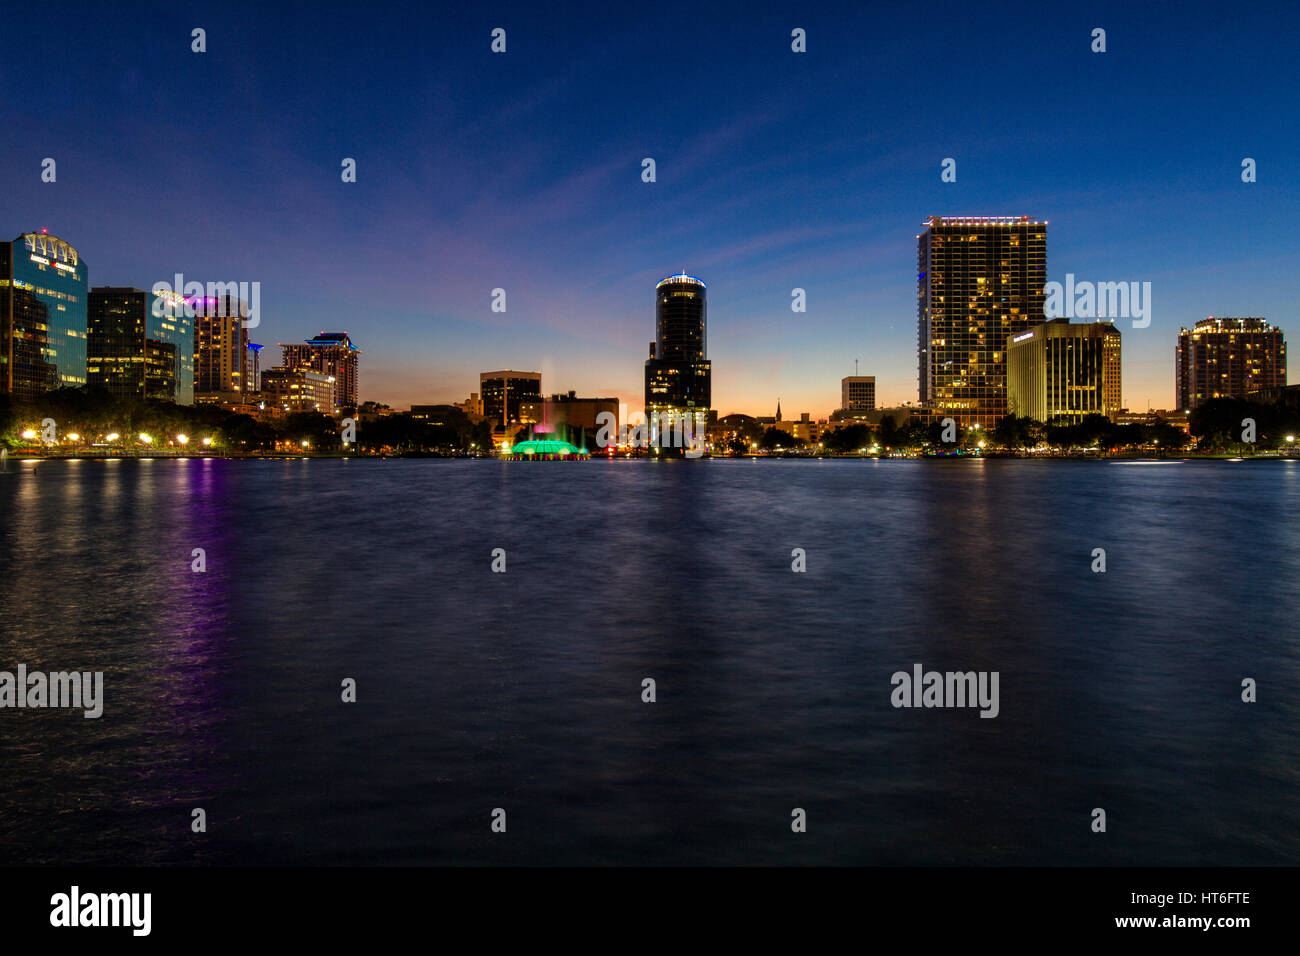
(1226, 358)
(979, 282)
(505, 393)
(678, 373)
(140, 344)
(331, 354)
(220, 344)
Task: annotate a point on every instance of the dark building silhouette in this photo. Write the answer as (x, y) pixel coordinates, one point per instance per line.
(858, 393)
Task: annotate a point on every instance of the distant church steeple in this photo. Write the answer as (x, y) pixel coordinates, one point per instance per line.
(778, 408)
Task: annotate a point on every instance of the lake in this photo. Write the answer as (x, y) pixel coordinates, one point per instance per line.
(522, 690)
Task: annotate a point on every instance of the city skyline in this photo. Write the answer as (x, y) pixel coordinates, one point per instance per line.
(972, 340)
(507, 182)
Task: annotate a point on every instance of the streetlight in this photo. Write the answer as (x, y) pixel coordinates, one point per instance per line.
(207, 441)
(112, 436)
(73, 436)
(183, 439)
(306, 444)
(147, 439)
(29, 434)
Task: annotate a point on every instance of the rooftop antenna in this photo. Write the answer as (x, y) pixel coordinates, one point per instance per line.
(855, 368)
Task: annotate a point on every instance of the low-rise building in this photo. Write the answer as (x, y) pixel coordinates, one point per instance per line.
(299, 390)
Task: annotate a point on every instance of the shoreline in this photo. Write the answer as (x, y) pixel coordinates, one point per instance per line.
(1208, 456)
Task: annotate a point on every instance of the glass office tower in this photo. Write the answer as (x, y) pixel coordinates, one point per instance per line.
(1064, 371)
(140, 345)
(42, 315)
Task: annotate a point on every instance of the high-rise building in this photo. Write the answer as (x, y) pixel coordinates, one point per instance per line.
(42, 315)
(299, 389)
(220, 344)
(1226, 358)
(858, 393)
(253, 368)
(140, 344)
(504, 393)
(979, 283)
(1064, 370)
(333, 354)
(678, 373)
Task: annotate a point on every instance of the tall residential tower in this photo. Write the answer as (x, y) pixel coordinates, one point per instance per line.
(1226, 358)
(331, 354)
(979, 283)
(220, 341)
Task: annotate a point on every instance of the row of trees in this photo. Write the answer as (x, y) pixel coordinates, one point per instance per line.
(1220, 425)
(95, 414)
(1094, 431)
(1229, 424)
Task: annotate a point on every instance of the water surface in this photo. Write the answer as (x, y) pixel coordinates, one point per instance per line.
(522, 690)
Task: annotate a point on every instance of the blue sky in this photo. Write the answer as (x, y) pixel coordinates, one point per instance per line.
(775, 170)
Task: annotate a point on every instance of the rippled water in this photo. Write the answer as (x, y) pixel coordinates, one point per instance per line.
(522, 690)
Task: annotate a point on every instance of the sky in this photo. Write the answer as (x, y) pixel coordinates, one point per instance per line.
(775, 170)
